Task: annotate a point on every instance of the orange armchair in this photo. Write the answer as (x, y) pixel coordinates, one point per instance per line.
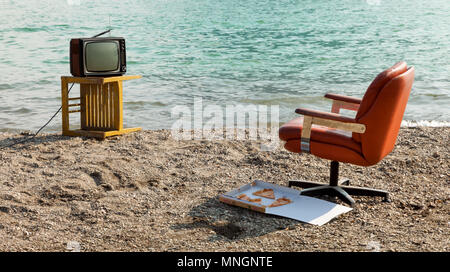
(363, 140)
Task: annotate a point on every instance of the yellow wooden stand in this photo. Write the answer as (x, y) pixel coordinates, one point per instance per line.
(100, 106)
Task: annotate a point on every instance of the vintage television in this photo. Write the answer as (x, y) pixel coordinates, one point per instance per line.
(97, 56)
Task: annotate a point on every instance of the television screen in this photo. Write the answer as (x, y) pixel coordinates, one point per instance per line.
(98, 56)
(102, 56)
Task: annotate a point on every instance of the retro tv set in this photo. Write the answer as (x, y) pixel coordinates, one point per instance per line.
(98, 56)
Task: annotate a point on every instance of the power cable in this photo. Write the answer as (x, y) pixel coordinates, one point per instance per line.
(39, 130)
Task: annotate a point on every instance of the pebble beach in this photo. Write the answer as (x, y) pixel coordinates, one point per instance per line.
(147, 191)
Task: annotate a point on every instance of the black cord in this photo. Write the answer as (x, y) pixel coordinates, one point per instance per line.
(27, 139)
(39, 130)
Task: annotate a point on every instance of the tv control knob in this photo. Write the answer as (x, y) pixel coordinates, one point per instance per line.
(124, 68)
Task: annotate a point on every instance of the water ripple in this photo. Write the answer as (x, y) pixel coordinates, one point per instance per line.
(259, 52)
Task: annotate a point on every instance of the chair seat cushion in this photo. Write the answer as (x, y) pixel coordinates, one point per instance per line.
(292, 130)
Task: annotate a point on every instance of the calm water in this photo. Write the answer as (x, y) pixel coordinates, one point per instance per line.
(229, 52)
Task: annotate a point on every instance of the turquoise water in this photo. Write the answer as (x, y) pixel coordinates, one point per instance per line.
(230, 52)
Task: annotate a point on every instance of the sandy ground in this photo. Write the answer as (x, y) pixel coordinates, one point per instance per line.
(149, 192)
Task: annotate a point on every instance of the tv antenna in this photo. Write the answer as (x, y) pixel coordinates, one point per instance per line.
(107, 31)
(109, 22)
(104, 32)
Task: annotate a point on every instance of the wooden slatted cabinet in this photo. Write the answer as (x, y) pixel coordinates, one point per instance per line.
(100, 106)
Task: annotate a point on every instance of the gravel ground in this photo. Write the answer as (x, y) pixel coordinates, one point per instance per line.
(147, 191)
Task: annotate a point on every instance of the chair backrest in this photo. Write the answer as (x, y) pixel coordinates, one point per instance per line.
(382, 109)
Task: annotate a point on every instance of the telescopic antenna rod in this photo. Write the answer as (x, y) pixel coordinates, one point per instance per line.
(104, 32)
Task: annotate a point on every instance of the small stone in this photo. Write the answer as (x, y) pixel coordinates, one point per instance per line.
(4, 209)
(73, 246)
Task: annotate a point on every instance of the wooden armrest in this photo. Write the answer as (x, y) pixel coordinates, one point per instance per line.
(343, 98)
(343, 102)
(331, 120)
(325, 115)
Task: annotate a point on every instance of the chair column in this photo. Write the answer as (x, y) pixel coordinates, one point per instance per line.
(334, 173)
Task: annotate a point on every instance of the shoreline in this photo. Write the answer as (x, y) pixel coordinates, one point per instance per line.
(146, 191)
(404, 124)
